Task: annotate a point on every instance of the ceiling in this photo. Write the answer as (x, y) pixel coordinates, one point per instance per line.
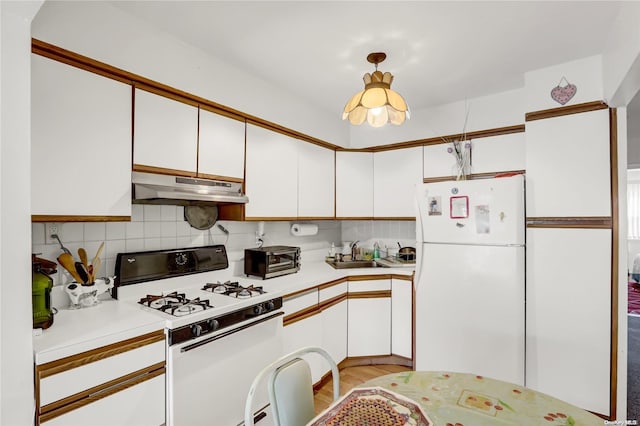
(439, 52)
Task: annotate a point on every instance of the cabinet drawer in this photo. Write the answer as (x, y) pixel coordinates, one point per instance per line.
(369, 285)
(333, 291)
(299, 302)
(139, 405)
(76, 379)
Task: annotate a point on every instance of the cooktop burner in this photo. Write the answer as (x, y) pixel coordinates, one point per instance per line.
(234, 289)
(175, 303)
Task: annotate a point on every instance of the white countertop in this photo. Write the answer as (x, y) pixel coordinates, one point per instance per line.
(78, 330)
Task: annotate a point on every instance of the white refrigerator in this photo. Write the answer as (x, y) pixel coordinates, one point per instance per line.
(470, 277)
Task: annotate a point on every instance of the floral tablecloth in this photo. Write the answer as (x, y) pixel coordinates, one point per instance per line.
(457, 399)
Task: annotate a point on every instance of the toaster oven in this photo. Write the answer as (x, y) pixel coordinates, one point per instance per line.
(272, 261)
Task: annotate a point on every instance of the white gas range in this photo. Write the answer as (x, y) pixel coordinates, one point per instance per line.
(221, 331)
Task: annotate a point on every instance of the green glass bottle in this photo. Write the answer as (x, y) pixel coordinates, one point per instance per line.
(41, 285)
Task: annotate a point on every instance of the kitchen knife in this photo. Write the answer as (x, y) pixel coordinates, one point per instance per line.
(66, 260)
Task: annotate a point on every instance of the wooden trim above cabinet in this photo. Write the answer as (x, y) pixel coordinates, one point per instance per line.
(373, 294)
(326, 304)
(163, 171)
(590, 222)
(403, 277)
(437, 140)
(369, 277)
(97, 354)
(68, 218)
(473, 176)
(565, 110)
(332, 283)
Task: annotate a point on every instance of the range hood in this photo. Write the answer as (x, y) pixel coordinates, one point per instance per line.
(151, 188)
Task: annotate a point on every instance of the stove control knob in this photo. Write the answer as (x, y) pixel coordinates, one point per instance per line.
(258, 309)
(213, 324)
(196, 330)
(270, 305)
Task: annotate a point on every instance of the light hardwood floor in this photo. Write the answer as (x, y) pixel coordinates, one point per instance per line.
(351, 377)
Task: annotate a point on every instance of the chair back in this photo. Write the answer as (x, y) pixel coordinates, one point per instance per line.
(290, 388)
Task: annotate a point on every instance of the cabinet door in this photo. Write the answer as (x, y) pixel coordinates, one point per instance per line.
(220, 146)
(498, 153)
(79, 120)
(568, 170)
(395, 175)
(369, 326)
(401, 314)
(139, 405)
(568, 315)
(165, 133)
(334, 321)
(306, 332)
(369, 330)
(354, 184)
(316, 181)
(271, 174)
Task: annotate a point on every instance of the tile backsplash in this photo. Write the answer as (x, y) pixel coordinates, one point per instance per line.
(163, 227)
(155, 227)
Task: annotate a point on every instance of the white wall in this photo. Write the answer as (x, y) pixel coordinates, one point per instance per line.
(105, 33)
(585, 74)
(621, 59)
(487, 112)
(16, 349)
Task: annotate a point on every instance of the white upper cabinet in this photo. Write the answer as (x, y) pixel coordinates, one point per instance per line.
(568, 169)
(437, 161)
(354, 184)
(80, 142)
(316, 181)
(271, 179)
(498, 153)
(395, 174)
(165, 133)
(220, 146)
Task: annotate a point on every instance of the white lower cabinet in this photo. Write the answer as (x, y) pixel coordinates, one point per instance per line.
(568, 315)
(369, 325)
(306, 332)
(401, 317)
(122, 383)
(142, 404)
(334, 306)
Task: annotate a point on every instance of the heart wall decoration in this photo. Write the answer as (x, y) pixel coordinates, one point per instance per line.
(563, 94)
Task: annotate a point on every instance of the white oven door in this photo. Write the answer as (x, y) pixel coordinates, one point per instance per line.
(209, 378)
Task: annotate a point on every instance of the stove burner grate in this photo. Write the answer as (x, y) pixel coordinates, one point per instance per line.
(175, 303)
(234, 289)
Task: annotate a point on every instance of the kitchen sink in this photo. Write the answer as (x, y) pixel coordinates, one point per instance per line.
(347, 264)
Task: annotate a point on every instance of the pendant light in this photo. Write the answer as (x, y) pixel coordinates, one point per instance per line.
(377, 103)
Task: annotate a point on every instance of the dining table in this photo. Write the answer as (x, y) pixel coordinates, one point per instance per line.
(435, 398)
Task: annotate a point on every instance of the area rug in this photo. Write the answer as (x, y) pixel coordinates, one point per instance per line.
(634, 298)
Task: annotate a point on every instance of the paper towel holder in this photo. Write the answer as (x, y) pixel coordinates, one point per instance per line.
(304, 229)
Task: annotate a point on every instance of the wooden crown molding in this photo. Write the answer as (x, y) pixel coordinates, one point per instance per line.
(565, 110)
(590, 222)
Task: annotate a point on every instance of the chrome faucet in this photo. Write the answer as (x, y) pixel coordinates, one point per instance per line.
(354, 250)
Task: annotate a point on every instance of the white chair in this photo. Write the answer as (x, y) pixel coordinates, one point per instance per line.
(290, 388)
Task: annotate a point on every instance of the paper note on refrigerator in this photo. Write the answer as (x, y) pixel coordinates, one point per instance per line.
(483, 224)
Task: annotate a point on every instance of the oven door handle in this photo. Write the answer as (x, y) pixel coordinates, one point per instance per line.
(230, 332)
